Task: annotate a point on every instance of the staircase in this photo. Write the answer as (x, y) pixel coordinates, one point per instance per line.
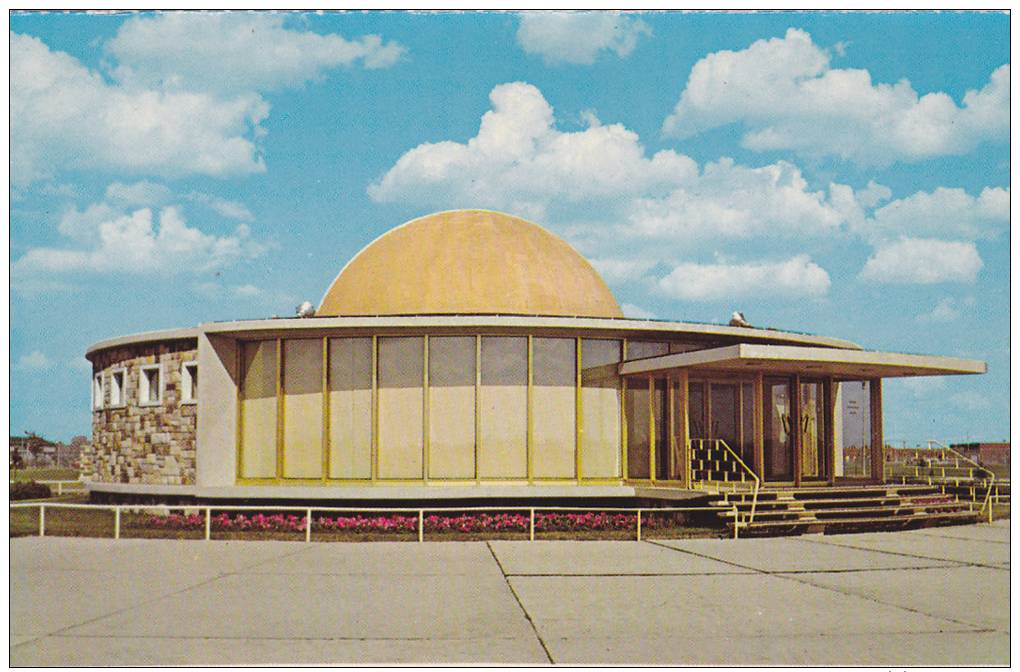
(953, 473)
(838, 509)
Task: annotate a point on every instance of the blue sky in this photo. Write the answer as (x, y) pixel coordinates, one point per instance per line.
(832, 173)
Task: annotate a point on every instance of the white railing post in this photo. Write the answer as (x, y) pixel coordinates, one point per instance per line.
(208, 523)
(60, 488)
(421, 525)
(42, 520)
(639, 524)
(531, 527)
(116, 522)
(736, 522)
(308, 526)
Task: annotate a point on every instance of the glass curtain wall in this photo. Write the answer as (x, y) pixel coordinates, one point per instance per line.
(853, 429)
(812, 429)
(600, 408)
(350, 408)
(258, 409)
(401, 407)
(302, 408)
(554, 407)
(503, 408)
(638, 403)
(452, 407)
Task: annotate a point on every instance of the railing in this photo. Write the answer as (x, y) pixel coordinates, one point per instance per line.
(309, 519)
(987, 504)
(939, 449)
(72, 486)
(745, 472)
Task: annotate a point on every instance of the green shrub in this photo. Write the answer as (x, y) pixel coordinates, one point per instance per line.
(30, 490)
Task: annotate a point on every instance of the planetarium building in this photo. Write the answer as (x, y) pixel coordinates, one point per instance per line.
(472, 355)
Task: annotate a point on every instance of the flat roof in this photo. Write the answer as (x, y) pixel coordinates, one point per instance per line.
(653, 328)
(851, 364)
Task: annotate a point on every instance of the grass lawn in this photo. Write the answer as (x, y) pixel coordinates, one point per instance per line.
(45, 474)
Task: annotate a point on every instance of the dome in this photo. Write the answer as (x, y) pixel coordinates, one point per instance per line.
(469, 261)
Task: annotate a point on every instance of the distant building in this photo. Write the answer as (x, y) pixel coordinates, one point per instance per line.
(985, 453)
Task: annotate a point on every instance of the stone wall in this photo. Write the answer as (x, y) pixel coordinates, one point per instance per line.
(143, 444)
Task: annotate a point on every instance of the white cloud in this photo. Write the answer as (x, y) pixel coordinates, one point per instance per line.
(615, 270)
(798, 276)
(943, 212)
(945, 310)
(520, 162)
(732, 201)
(221, 206)
(636, 312)
(923, 261)
(184, 95)
(134, 243)
(246, 291)
(64, 115)
(789, 98)
(34, 361)
(137, 194)
(235, 52)
(579, 37)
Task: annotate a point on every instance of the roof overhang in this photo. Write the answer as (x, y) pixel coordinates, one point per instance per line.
(788, 359)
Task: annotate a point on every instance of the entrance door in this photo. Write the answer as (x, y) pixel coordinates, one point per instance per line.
(812, 430)
(725, 405)
(778, 434)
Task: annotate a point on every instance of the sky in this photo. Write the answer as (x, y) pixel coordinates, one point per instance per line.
(843, 174)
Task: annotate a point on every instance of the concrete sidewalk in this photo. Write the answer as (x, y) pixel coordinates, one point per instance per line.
(928, 597)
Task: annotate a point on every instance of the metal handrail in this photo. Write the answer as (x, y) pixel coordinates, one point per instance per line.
(987, 504)
(743, 465)
(116, 509)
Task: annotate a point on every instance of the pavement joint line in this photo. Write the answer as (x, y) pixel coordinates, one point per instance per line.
(520, 604)
(156, 598)
(962, 563)
(955, 538)
(569, 575)
(282, 639)
(793, 577)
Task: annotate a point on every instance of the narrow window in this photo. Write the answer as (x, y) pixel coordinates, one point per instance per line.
(150, 384)
(97, 391)
(189, 382)
(118, 387)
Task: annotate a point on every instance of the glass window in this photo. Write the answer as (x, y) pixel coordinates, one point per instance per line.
(696, 410)
(189, 382)
(778, 430)
(642, 349)
(350, 408)
(258, 409)
(302, 408)
(600, 408)
(747, 424)
(118, 387)
(853, 429)
(150, 384)
(660, 416)
(812, 429)
(553, 407)
(452, 407)
(503, 408)
(401, 407)
(97, 391)
(637, 400)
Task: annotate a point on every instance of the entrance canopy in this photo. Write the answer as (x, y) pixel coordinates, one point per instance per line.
(789, 359)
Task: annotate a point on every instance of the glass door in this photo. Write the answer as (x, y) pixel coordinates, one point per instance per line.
(812, 430)
(725, 405)
(778, 435)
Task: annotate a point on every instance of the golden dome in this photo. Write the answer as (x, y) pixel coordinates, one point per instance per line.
(469, 261)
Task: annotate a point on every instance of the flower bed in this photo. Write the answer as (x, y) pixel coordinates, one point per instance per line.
(453, 525)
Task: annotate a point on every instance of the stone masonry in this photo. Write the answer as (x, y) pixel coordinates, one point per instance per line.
(136, 443)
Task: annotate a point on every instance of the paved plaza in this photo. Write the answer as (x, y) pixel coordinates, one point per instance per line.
(936, 596)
